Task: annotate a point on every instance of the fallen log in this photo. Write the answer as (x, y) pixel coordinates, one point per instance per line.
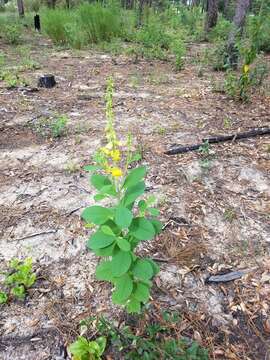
(218, 139)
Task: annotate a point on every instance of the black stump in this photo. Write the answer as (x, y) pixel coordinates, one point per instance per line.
(47, 81)
(37, 22)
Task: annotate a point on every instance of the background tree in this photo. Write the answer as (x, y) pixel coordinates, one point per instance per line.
(241, 10)
(211, 15)
(20, 8)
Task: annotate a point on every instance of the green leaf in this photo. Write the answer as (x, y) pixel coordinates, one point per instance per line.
(104, 271)
(3, 297)
(121, 263)
(134, 306)
(142, 205)
(154, 265)
(99, 197)
(142, 229)
(135, 157)
(142, 270)
(91, 167)
(102, 344)
(133, 193)
(107, 230)
(135, 176)
(79, 348)
(113, 226)
(108, 190)
(99, 181)
(157, 225)
(141, 293)
(123, 289)
(18, 291)
(96, 214)
(107, 251)
(123, 244)
(100, 240)
(123, 217)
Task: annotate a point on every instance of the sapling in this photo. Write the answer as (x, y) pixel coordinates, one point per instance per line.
(126, 222)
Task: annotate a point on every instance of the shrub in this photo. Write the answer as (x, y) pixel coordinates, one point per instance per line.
(99, 23)
(54, 24)
(221, 31)
(10, 29)
(258, 30)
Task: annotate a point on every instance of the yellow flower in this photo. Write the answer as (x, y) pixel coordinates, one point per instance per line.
(115, 155)
(246, 68)
(116, 172)
(105, 151)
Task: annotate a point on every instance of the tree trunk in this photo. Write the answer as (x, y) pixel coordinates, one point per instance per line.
(238, 22)
(20, 8)
(211, 15)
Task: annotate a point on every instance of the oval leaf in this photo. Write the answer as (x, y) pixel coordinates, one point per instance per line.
(123, 244)
(96, 214)
(103, 271)
(133, 193)
(142, 229)
(141, 293)
(100, 240)
(135, 176)
(134, 306)
(143, 270)
(123, 217)
(123, 289)
(121, 263)
(99, 181)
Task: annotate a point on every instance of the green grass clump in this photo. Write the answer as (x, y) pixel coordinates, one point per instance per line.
(10, 29)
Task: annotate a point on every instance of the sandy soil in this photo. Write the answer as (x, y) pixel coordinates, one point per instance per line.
(217, 217)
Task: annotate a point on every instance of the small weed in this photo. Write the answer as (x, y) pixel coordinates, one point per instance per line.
(230, 214)
(71, 167)
(51, 127)
(12, 78)
(160, 130)
(206, 156)
(18, 279)
(58, 126)
(227, 123)
(2, 59)
(3, 297)
(158, 79)
(82, 349)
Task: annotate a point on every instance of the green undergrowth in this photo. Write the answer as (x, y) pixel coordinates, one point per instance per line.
(114, 29)
(137, 338)
(17, 280)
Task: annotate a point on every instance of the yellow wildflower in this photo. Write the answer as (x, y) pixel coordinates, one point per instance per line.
(116, 172)
(246, 68)
(115, 155)
(105, 151)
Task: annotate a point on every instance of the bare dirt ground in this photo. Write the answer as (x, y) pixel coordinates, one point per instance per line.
(220, 215)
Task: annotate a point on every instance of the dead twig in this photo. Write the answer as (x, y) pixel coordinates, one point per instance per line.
(36, 234)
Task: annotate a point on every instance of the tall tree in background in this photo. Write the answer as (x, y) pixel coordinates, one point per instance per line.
(241, 10)
(20, 8)
(211, 15)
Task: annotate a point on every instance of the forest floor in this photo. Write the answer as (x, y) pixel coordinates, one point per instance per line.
(217, 211)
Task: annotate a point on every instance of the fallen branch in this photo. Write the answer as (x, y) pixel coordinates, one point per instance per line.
(218, 139)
